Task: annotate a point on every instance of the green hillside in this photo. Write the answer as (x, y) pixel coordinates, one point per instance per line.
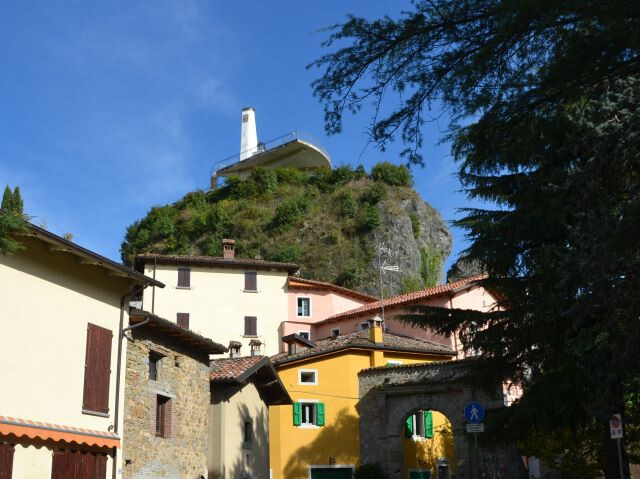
(326, 221)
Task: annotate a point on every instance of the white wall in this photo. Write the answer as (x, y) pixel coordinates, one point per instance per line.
(46, 300)
(217, 303)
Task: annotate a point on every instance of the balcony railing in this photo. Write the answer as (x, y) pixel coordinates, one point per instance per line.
(270, 145)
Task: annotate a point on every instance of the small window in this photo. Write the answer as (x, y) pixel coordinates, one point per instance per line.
(183, 320)
(393, 362)
(419, 425)
(363, 326)
(154, 366)
(250, 281)
(304, 334)
(247, 433)
(308, 376)
(184, 277)
(335, 332)
(250, 326)
(304, 307)
(308, 413)
(163, 416)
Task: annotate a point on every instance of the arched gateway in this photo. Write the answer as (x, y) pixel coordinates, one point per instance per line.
(388, 395)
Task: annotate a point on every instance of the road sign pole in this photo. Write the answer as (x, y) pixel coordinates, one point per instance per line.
(620, 459)
(475, 441)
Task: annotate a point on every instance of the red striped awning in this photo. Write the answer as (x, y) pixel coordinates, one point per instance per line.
(55, 432)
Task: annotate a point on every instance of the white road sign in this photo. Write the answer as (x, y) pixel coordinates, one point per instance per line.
(615, 423)
(475, 427)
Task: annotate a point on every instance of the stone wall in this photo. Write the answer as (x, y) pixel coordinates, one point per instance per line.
(183, 377)
(389, 394)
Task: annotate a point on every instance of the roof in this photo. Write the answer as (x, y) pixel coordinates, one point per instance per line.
(87, 256)
(239, 370)
(295, 282)
(198, 260)
(171, 330)
(297, 338)
(406, 299)
(361, 340)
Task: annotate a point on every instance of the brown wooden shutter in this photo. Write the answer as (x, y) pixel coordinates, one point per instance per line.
(97, 369)
(184, 277)
(183, 320)
(6, 461)
(250, 326)
(78, 465)
(250, 281)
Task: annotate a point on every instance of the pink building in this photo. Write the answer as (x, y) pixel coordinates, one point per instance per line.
(463, 294)
(311, 301)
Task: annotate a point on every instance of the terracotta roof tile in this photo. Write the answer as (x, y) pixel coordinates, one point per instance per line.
(231, 369)
(404, 299)
(216, 261)
(330, 286)
(360, 339)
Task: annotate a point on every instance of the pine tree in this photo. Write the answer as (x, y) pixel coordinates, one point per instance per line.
(545, 128)
(11, 220)
(18, 205)
(7, 200)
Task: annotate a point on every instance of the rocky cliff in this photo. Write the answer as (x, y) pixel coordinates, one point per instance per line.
(330, 222)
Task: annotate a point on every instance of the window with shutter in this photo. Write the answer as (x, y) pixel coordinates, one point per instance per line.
(6, 461)
(163, 416)
(250, 326)
(184, 277)
(183, 320)
(250, 281)
(97, 369)
(320, 414)
(76, 464)
(428, 424)
(408, 427)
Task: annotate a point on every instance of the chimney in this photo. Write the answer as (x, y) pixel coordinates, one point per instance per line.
(248, 135)
(255, 346)
(234, 349)
(375, 329)
(228, 248)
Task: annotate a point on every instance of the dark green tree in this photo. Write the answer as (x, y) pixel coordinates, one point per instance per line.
(543, 101)
(12, 201)
(11, 220)
(7, 199)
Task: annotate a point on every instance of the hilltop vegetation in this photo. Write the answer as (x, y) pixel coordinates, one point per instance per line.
(326, 221)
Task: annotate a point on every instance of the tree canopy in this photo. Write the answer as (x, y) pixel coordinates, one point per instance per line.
(11, 220)
(543, 101)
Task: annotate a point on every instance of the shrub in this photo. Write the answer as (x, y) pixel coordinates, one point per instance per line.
(347, 204)
(415, 224)
(429, 266)
(286, 254)
(290, 175)
(374, 194)
(289, 212)
(351, 276)
(264, 179)
(369, 471)
(369, 219)
(410, 284)
(395, 175)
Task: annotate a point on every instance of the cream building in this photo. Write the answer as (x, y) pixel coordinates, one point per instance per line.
(61, 308)
(227, 298)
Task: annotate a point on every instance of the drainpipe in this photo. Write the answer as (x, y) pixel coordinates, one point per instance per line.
(153, 288)
(116, 414)
(455, 333)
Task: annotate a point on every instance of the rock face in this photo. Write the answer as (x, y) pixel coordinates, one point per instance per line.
(463, 268)
(329, 222)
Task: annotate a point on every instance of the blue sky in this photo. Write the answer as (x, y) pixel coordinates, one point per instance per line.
(110, 107)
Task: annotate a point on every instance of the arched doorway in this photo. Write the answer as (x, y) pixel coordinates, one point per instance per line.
(428, 446)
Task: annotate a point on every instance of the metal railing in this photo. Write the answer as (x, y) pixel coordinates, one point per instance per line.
(270, 145)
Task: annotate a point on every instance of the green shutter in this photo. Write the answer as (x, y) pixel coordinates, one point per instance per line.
(428, 424)
(297, 414)
(320, 414)
(408, 427)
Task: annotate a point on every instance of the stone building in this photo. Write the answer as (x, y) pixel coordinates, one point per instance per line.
(166, 400)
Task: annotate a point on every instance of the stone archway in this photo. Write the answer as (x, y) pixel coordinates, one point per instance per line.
(389, 394)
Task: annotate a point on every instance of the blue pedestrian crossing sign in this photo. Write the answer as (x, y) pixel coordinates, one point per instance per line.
(474, 412)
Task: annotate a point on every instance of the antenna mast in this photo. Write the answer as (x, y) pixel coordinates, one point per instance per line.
(383, 266)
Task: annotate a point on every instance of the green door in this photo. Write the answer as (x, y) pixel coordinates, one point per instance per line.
(331, 473)
(419, 474)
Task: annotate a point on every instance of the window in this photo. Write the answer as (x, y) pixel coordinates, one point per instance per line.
(304, 307)
(304, 334)
(6, 460)
(154, 365)
(247, 433)
(250, 281)
(363, 326)
(393, 362)
(163, 416)
(183, 320)
(97, 370)
(184, 277)
(308, 413)
(419, 425)
(335, 332)
(308, 376)
(250, 326)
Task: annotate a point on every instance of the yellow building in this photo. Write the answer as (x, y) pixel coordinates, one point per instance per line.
(318, 436)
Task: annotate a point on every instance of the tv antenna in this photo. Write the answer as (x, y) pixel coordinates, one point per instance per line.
(384, 266)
